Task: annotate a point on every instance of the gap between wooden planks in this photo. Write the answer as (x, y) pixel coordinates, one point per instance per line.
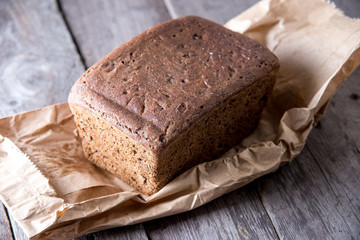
(38, 65)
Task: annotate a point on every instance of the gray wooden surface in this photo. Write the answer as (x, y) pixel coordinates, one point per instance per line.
(45, 45)
(38, 61)
(5, 227)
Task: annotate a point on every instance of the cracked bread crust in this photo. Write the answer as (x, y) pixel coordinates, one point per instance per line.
(164, 80)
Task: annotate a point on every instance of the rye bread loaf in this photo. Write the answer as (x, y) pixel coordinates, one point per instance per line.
(178, 94)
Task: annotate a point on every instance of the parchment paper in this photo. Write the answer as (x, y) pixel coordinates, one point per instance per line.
(53, 192)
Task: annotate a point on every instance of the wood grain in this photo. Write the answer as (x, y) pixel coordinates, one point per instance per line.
(38, 62)
(346, 106)
(129, 232)
(339, 155)
(350, 8)
(238, 215)
(5, 227)
(317, 196)
(101, 26)
(302, 205)
(218, 11)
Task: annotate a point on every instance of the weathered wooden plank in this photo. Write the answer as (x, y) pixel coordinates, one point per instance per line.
(129, 232)
(302, 205)
(5, 227)
(317, 196)
(350, 8)
(38, 62)
(346, 105)
(238, 215)
(335, 146)
(218, 11)
(100, 26)
(320, 193)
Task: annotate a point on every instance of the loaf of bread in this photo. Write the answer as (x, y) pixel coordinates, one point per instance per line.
(178, 94)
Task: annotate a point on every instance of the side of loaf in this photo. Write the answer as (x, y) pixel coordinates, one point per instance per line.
(179, 94)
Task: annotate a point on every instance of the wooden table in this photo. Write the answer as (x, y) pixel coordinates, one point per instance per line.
(46, 45)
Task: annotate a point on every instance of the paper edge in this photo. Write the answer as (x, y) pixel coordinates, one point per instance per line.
(36, 196)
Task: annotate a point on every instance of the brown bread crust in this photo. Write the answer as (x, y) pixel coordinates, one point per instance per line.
(164, 89)
(159, 83)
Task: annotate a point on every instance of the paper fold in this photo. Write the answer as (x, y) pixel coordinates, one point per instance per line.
(26, 191)
(66, 196)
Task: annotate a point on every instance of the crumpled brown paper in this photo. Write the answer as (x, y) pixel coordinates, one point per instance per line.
(55, 193)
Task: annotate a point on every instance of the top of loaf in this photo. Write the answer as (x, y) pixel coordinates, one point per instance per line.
(156, 85)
